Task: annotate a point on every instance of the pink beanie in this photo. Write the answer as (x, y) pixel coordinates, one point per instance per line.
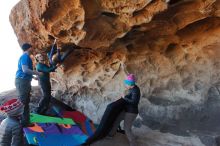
(130, 80)
(131, 77)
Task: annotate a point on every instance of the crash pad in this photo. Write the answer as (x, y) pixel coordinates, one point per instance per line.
(54, 135)
(35, 118)
(86, 125)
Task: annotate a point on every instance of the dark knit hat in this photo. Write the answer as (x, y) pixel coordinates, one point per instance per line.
(13, 107)
(26, 46)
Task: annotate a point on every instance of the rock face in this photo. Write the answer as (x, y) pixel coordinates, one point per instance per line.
(171, 46)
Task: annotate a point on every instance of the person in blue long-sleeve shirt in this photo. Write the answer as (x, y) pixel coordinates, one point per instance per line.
(24, 75)
(44, 81)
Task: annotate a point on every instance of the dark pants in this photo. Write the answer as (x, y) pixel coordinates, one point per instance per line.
(45, 101)
(23, 88)
(60, 56)
(128, 121)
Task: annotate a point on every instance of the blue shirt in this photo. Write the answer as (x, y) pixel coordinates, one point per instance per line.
(24, 60)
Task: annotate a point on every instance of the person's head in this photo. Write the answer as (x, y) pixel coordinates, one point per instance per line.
(12, 108)
(39, 58)
(26, 47)
(129, 81)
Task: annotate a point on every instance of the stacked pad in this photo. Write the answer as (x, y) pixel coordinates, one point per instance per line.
(54, 131)
(57, 108)
(35, 118)
(62, 110)
(85, 123)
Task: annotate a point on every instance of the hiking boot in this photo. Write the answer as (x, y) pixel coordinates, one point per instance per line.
(121, 131)
(25, 124)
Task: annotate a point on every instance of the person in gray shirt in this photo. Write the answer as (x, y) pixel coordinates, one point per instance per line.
(10, 128)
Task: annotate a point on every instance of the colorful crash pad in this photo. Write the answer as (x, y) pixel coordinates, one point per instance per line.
(57, 107)
(35, 118)
(63, 106)
(64, 140)
(86, 125)
(62, 110)
(54, 135)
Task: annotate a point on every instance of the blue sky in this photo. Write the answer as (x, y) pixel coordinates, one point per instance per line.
(10, 50)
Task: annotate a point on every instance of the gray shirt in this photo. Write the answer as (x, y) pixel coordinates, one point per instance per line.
(10, 132)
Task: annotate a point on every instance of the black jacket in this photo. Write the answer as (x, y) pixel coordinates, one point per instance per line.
(132, 99)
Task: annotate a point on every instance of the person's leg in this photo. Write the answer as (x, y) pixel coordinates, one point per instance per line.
(58, 55)
(52, 52)
(116, 124)
(119, 130)
(65, 54)
(45, 101)
(129, 119)
(23, 88)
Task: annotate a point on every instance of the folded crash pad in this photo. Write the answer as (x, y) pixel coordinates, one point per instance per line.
(54, 135)
(35, 118)
(61, 105)
(61, 140)
(57, 107)
(86, 125)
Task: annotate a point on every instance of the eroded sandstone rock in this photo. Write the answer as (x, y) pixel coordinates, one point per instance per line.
(171, 46)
